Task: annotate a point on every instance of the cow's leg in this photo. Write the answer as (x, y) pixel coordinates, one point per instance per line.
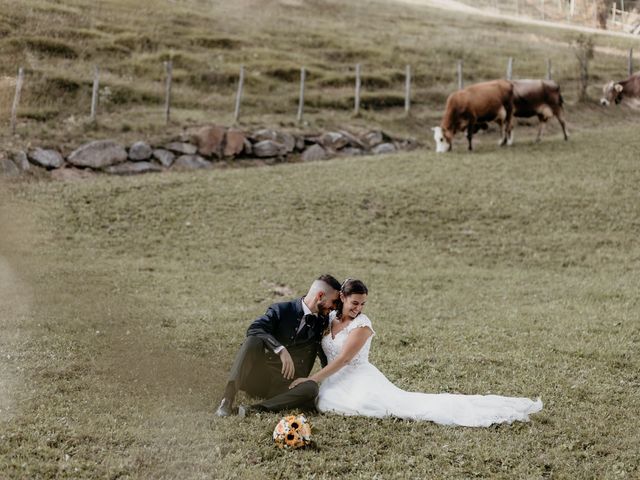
(560, 116)
(508, 125)
(470, 128)
(542, 121)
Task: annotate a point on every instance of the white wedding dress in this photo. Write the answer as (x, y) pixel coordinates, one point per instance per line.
(361, 389)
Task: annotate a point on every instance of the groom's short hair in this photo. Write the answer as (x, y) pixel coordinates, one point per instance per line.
(329, 280)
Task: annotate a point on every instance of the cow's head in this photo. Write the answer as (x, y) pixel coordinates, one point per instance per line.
(611, 92)
(443, 138)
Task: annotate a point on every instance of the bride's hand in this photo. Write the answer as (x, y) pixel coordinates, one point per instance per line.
(298, 381)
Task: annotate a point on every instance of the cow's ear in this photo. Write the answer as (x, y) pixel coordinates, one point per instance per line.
(618, 87)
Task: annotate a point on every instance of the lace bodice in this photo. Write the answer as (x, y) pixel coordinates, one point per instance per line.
(333, 346)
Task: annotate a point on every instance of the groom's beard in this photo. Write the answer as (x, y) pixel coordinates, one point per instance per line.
(323, 310)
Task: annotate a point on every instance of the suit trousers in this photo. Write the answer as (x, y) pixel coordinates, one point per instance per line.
(260, 374)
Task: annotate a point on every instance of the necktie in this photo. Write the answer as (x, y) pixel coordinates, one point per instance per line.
(308, 322)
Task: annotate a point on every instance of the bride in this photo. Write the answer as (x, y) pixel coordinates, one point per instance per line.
(350, 385)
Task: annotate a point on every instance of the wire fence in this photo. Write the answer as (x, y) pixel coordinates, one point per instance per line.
(240, 90)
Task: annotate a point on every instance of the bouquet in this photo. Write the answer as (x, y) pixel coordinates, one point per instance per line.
(292, 432)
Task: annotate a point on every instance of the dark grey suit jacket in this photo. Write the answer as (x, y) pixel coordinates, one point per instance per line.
(278, 327)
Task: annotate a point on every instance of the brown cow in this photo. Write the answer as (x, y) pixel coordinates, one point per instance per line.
(627, 91)
(539, 98)
(471, 108)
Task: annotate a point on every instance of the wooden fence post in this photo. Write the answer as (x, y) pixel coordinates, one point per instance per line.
(356, 107)
(168, 66)
(16, 100)
(407, 89)
(303, 75)
(572, 8)
(460, 80)
(630, 62)
(94, 94)
(236, 113)
(549, 76)
(613, 13)
(510, 68)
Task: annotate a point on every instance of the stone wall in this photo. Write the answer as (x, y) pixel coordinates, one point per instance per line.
(201, 148)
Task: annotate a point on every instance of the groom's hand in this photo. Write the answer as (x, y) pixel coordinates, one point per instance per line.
(288, 369)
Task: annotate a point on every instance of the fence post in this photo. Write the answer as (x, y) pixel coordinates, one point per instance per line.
(630, 62)
(94, 94)
(548, 69)
(542, 8)
(407, 89)
(16, 100)
(613, 13)
(168, 67)
(510, 68)
(356, 107)
(236, 113)
(460, 80)
(572, 8)
(303, 75)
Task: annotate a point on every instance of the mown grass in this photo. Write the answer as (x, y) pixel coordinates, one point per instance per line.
(60, 44)
(508, 271)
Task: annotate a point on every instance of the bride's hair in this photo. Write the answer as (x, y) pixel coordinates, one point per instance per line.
(349, 287)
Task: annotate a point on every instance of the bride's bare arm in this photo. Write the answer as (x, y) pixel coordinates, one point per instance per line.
(352, 345)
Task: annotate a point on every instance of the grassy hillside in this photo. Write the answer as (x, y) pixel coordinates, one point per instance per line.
(59, 43)
(511, 271)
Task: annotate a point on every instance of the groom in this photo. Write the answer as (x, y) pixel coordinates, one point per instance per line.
(282, 345)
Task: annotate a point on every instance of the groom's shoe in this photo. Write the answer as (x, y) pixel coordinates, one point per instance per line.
(225, 409)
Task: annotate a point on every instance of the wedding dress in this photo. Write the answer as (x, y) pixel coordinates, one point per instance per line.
(359, 388)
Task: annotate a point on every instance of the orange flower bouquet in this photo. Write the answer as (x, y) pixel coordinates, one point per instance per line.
(292, 432)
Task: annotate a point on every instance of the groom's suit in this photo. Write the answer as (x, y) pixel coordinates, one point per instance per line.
(258, 369)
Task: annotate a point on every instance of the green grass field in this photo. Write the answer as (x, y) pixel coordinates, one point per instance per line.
(123, 301)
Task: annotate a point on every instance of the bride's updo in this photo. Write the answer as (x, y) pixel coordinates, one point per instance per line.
(349, 287)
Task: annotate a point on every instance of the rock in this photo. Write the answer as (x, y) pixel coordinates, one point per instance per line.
(248, 148)
(209, 140)
(373, 139)
(351, 151)
(21, 160)
(300, 143)
(46, 158)
(234, 143)
(264, 134)
(287, 140)
(98, 154)
(353, 140)
(7, 167)
(268, 148)
(190, 162)
(384, 148)
(182, 148)
(333, 140)
(67, 174)
(313, 153)
(133, 168)
(165, 157)
(140, 151)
